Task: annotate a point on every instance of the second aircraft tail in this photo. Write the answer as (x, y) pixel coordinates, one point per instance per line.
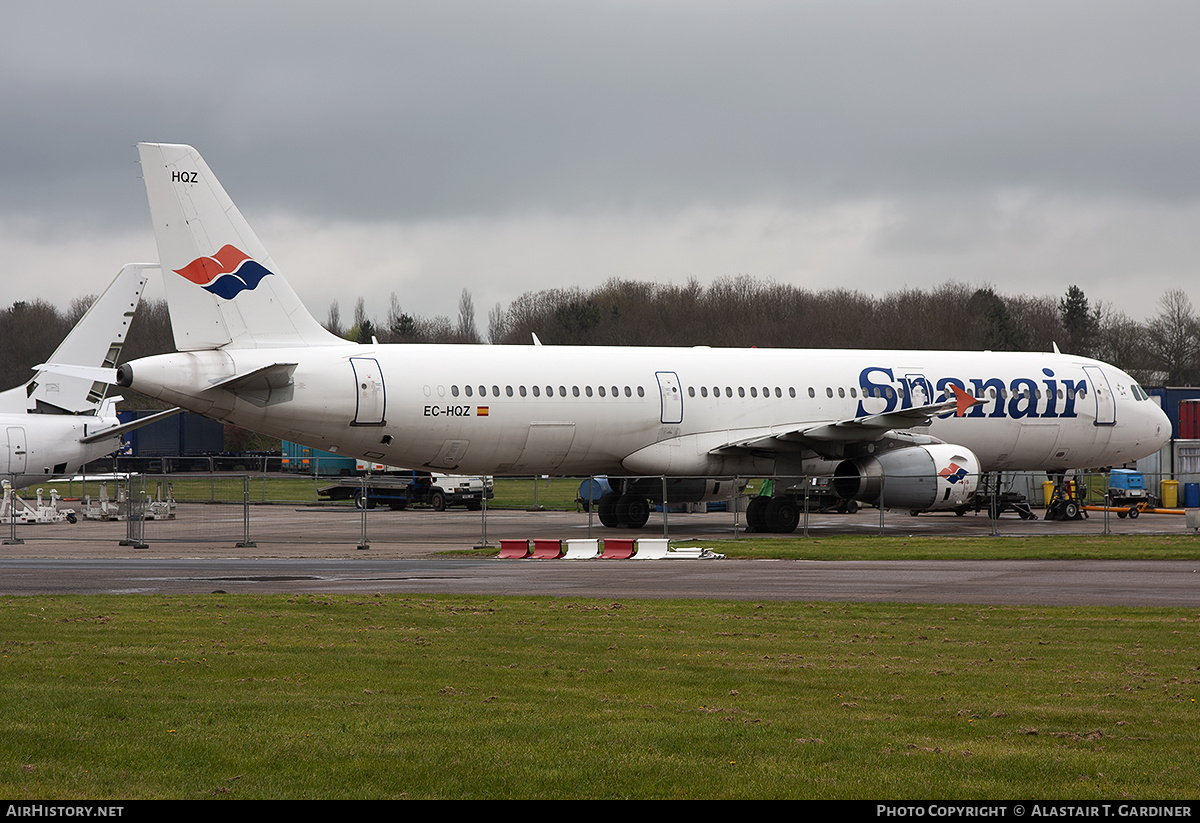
(223, 289)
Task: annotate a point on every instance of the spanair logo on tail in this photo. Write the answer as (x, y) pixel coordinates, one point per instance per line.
(226, 274)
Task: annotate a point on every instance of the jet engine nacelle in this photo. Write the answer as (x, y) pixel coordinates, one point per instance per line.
(921, 478)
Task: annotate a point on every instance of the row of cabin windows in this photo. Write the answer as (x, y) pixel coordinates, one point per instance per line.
(536, 391)
(767, 391)
(741, 391)
(876, 391)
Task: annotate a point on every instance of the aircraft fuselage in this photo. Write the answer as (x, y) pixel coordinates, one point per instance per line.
(647, 411)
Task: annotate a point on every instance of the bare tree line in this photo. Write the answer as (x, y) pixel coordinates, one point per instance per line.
(740, 311)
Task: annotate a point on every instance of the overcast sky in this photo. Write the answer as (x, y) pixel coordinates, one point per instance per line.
(511, 145)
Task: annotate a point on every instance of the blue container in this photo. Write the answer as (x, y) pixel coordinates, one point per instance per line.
(1191, 495)
(600, 487)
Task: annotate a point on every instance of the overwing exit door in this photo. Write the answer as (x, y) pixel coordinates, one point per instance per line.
(672, 396)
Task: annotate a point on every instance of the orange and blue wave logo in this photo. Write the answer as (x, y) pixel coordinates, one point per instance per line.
(953, 473)
(226, 274)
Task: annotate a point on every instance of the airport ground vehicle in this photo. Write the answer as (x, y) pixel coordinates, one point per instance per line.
(401, 490)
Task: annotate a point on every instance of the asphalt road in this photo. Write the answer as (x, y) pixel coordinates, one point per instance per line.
(1173, 584)
(314, 549)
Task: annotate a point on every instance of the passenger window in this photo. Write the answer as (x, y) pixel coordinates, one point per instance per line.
(828, 392)
(575, 390)
(691, 391)
(467, 389)
(454, 391)
(522, 390)
(754, 391)
(628, 393)
(741, 391)
(812, 392)
(704, 391)
(641, 392)
(508, 390)
(601, 390)
(588, 390)
(537, 392)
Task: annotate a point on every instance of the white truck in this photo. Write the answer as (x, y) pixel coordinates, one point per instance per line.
(400, 490)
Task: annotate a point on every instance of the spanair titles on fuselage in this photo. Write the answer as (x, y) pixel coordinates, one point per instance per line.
(252, 355)
(1015, 397)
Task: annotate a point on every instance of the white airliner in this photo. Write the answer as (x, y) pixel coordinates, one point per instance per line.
(909, 429)
(61, 419)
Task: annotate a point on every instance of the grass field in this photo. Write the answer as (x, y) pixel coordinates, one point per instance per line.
(478, 697)
(1040, 547)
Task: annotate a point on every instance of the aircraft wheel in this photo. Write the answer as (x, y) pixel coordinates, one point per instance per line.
(606, 508)
(756, 514)
(782, 515)
(633, 511)
(438, 501)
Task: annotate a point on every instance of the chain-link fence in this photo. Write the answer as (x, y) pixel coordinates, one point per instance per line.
(241, 510)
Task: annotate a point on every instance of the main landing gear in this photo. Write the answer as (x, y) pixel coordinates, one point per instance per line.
(780, 515)
(628, 510)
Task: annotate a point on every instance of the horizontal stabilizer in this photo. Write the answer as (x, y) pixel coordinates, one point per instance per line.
(265, 386)
(96, 373)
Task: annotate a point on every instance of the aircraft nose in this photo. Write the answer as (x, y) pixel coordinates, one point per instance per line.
(1159, 424)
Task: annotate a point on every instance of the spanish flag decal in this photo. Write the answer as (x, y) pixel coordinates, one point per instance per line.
(481, 411)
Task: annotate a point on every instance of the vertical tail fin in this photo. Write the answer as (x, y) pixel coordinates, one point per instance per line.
(223, 289)
(95, 342)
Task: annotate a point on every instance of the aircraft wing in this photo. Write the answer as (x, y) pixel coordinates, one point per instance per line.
(113, 431)
(858, 429)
